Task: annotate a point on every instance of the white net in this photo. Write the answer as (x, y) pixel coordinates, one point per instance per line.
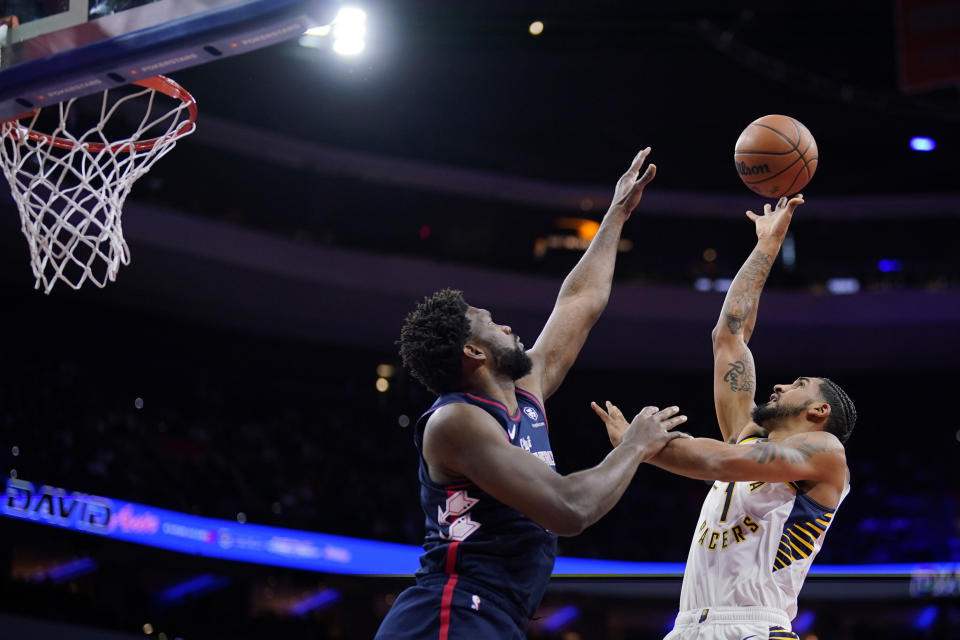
(70, 187)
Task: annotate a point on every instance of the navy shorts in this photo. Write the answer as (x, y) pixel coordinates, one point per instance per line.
(448, 609)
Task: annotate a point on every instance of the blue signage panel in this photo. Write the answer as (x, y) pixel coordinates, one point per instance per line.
(211, 537)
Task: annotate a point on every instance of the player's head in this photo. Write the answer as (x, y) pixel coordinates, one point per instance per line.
(444, 338)
(843, 413)
(819, 400)
(495, 345)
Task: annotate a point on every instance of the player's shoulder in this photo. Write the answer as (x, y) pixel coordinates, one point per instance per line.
(824, 453)
(457, 412)
(457, 420)
(822, 439)
(454, 430)
(821, 444)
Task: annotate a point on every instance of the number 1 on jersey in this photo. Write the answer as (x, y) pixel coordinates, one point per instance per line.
(726, 501)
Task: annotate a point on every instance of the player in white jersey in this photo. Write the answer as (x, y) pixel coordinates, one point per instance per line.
(779, 474)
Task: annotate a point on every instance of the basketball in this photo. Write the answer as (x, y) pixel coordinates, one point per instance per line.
(776, 156)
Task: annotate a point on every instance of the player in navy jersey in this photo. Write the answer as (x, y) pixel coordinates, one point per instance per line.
(493, 500)
(779, 475)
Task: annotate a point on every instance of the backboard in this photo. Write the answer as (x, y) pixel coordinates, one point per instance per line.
(54, 50)
(70, 169)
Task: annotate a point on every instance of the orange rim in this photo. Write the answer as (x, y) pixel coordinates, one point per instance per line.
(161, 84)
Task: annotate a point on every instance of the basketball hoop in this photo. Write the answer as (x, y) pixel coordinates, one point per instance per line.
(70, 188)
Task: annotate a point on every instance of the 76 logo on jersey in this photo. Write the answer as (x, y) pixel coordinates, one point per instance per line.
(458, 505)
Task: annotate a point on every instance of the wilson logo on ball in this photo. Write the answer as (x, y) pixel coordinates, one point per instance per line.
(746, 170)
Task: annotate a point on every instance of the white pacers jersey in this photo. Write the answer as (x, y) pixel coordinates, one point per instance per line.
(753, 546)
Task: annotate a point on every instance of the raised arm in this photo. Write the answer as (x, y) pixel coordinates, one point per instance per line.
(734, 372)
(586, 289)
(813, 457)
(463, 441)
(816, 456)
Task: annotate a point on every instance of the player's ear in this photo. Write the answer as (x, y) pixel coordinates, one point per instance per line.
(818, 411)
(474, 352)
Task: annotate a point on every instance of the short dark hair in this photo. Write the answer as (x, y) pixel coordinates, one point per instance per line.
(432, 339)
(843, 413)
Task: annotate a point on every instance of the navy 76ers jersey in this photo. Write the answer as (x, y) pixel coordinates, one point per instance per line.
(471, 535)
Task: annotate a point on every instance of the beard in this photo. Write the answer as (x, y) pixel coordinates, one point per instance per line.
(514, 362)
(766, 415)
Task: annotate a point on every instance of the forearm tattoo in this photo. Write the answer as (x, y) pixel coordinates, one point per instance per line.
(740, 376)
(769, 452)
(745, 290)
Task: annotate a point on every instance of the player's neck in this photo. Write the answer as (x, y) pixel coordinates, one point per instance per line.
(499, 388)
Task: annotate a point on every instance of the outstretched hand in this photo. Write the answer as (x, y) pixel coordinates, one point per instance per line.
(629, 188)
(774, 223)
(613, 419)
(651, 427)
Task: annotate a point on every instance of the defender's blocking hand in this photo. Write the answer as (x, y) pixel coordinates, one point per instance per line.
(650, 428)
(629, 188)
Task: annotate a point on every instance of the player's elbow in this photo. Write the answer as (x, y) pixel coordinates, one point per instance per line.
(715, 334)
(567, 520)
(568, 513)
(567, 530)
(575, 523)
(720, 331)
(722, 338)
(586, 301)
(718, 336)
(562, 525)
(592, 308)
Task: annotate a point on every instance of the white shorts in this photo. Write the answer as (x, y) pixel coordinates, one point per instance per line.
(732, 623)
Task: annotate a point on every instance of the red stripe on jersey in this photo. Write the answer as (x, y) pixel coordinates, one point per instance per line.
(446, 601)
(448, 590)
(496, 404)
(451, 565)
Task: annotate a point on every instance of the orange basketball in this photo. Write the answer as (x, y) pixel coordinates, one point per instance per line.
(775, 156)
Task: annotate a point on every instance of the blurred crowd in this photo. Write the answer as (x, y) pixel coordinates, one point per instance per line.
(300, 437)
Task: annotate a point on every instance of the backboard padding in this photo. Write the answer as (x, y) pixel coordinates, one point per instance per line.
(151, 39)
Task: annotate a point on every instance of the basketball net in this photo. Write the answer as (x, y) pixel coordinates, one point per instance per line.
(70, 186)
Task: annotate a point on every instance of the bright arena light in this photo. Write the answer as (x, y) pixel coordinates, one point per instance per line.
(349, 31)
(921, 143)
(318, 32)
(536, 28)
